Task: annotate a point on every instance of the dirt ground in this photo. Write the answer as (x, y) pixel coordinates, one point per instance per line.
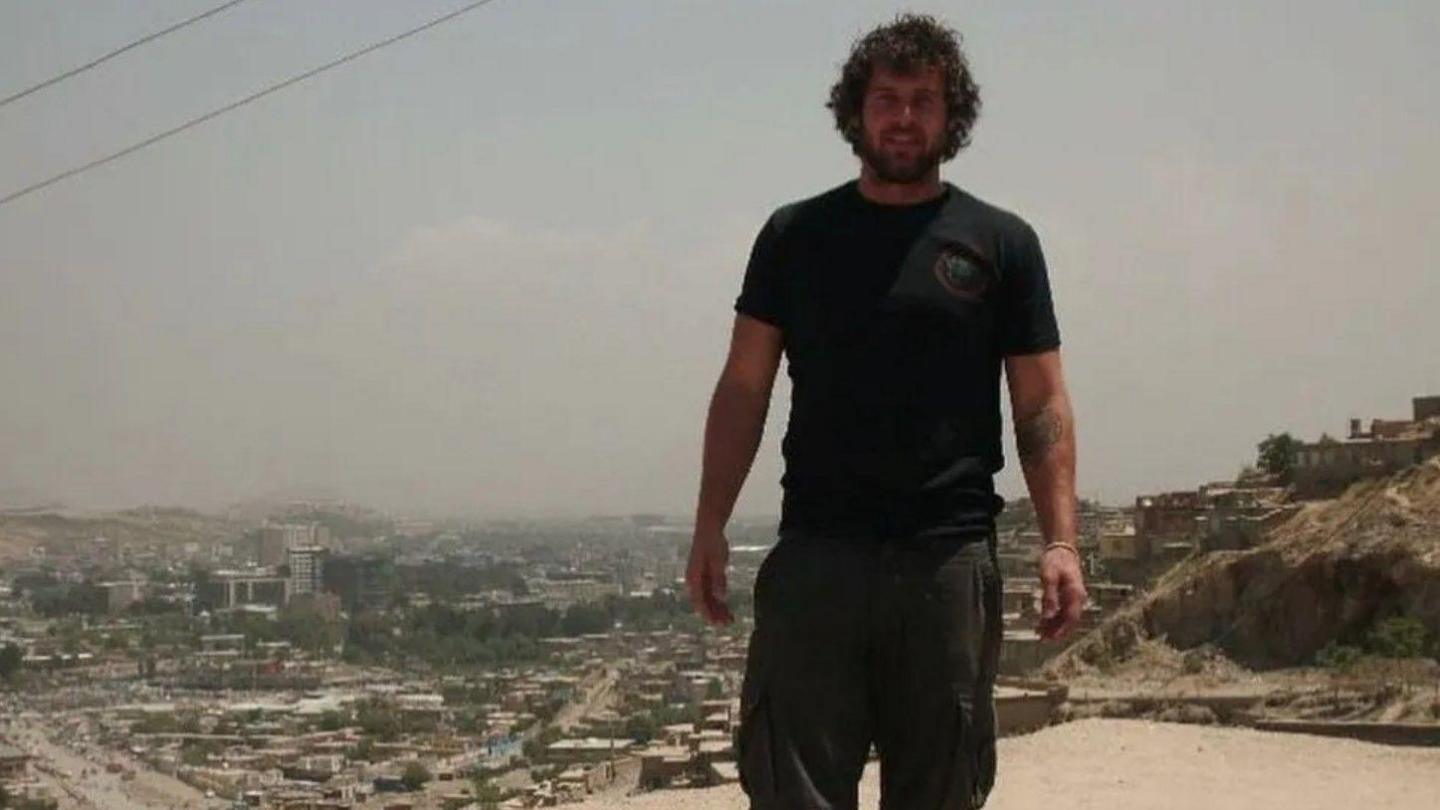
(1101, 764)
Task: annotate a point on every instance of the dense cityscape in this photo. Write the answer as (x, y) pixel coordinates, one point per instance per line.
(319, 654)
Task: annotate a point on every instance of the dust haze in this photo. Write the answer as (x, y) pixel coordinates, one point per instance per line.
(489, 272)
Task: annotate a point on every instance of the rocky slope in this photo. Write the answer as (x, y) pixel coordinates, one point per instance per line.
(1329, 573)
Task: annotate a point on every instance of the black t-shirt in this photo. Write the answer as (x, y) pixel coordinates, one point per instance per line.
(896, 319)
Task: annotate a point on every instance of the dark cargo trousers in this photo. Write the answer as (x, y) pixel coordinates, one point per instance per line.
(859, 641)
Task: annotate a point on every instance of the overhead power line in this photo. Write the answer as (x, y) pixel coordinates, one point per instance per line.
(256, 96)
(111, 55)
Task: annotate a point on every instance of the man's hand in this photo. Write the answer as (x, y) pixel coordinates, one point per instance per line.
(705, 576)
(1064, 594)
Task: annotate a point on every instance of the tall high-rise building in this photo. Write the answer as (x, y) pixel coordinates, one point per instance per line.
(361, 581)
(307, 569)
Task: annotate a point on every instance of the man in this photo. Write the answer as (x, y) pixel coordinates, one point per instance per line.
(897, 299)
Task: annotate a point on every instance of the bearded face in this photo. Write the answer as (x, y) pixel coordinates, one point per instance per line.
(903, 125)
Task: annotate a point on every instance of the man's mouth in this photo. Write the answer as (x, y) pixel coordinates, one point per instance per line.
(901, 142)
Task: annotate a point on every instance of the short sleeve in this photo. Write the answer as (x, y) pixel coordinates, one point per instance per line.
(762, 295)
(1027, 321)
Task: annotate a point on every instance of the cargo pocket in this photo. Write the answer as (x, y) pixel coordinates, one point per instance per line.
(975, 702)
(754, 734)
(985, 726)
(755, 738)
(984, 733)
(975, 754)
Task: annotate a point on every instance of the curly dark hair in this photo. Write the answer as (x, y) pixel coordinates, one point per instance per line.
(912, 42)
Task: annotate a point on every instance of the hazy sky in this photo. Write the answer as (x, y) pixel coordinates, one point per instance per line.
(490, 270)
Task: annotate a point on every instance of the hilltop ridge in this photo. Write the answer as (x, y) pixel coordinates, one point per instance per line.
(65, 533)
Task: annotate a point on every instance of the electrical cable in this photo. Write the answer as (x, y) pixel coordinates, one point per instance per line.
(111, 55)
(256, 96)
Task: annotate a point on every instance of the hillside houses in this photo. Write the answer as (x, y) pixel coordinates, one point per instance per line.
(1325, 467)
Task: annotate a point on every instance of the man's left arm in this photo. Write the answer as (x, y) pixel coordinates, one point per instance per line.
(1045, 442)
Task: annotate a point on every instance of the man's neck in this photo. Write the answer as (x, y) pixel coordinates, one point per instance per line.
(879, 191)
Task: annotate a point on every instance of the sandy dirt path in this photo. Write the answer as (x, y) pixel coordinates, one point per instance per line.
(1141, 765)
(597, 696)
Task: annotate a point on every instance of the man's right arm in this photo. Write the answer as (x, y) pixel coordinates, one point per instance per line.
(733, 429)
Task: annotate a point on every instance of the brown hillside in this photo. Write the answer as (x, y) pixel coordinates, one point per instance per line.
(64, 534)
(1327, 573)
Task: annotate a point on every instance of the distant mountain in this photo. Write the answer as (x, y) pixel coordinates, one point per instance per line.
(21, 498)
(64, 533)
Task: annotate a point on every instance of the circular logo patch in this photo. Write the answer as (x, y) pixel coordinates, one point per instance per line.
(961, 275)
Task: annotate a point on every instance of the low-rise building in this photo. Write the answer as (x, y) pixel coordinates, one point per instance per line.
(119, 596)
(230, 589)
(1327, 466)
(14, 764)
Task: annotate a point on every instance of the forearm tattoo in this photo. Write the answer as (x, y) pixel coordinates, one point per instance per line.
(1036, 434)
